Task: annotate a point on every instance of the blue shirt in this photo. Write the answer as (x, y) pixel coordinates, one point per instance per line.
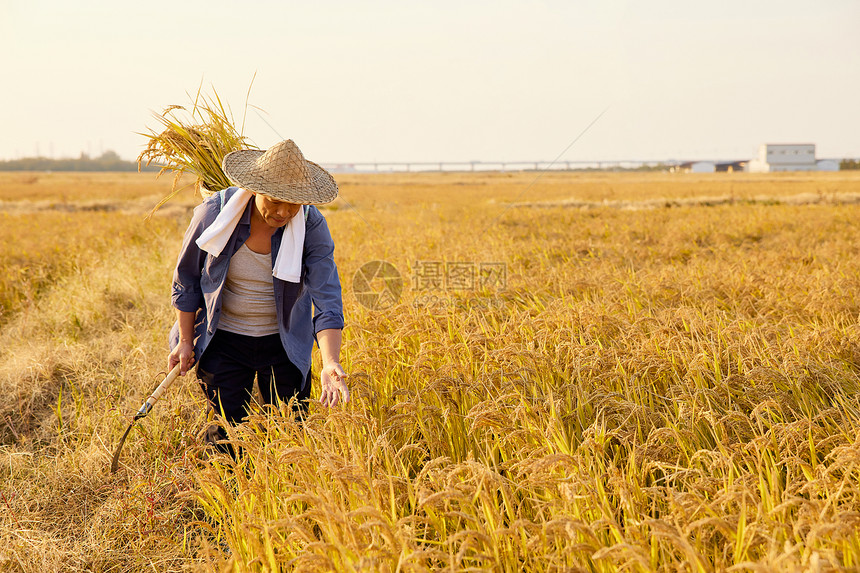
(198, 282)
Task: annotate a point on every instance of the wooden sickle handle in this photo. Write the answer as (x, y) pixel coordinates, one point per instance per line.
(156, 394)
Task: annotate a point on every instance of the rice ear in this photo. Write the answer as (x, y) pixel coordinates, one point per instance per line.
(194, 143)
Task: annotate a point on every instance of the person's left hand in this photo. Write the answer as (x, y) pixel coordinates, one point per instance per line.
(333, 383)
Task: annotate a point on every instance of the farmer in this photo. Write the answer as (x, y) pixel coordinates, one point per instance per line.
(255, 258)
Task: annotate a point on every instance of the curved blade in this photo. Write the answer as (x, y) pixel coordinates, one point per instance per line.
(143, 411)
(114, 464)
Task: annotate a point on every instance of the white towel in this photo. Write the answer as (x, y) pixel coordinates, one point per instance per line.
(288, 263)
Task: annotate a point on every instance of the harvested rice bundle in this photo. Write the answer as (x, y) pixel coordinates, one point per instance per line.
(193, 143)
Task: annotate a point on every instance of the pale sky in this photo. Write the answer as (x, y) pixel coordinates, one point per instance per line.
(440, 80)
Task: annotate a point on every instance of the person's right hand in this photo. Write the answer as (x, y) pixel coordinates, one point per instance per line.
(333, 385)
(182, 354)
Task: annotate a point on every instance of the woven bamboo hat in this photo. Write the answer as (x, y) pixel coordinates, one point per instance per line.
(281, 172)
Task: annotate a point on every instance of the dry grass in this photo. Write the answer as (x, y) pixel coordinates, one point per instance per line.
(38, 249)
(411, 188)
(664, 389)
(59, 189)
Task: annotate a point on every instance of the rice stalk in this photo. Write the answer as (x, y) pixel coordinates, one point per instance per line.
(193, 142)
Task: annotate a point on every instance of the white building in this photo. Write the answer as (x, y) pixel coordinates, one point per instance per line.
(784, 157)
(703, 167)
(827, 165)
(695, 167)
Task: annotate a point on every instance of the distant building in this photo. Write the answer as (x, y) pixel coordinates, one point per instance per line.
(732, 166)
(784, 157)
(695, 167)
(340, 167)
(827, 165)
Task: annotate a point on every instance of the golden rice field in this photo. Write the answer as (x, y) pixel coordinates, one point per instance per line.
(579, 372)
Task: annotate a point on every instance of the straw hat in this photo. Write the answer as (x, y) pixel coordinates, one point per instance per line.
(281, 172)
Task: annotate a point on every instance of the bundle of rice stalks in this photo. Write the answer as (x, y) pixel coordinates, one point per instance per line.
(193, 143)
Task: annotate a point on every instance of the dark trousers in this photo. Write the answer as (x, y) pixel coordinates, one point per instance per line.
(226, 373)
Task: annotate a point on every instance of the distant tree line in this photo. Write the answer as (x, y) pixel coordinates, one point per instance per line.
(107, 161)
(849, 164)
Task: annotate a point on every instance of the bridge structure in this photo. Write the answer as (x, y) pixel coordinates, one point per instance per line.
(419, 166)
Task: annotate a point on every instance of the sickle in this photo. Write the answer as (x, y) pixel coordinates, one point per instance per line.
(143, 411)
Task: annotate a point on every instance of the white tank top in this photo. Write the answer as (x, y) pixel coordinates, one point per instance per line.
(248, 298)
